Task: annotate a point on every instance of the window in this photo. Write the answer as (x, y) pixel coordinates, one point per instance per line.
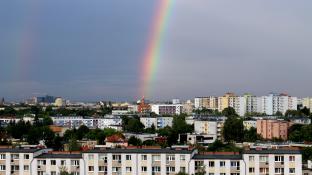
(128, 169)
(40, 173)
(2, 156)
(128, 157)
(41, 162)
(170, 169)
(116, 157)
(14, 167)
(144, 157)
(26, 156)
(143, 169)
(170, 158)
(182, 169)
(222, 174)
(90, 156)
(156, 169)
(155, 158)
(279, 158)
(63, 162)
(53, 172)
(234, 164)
(2, 167)
(75, 162)
(264, 170)
(26, 167)
(292, 158)
(14, 156)
(53, 162)
(116, 169)
(251, 170)
(222, 164)
(102, 168)
(251, 158)
(292, 170)
(211, 164)
(279, 170)
(102, 157)
(182, 157)
(91, 168)
(264, 158)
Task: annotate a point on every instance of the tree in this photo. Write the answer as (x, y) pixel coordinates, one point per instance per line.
(47, 121)
(251, 135)
(307, 154)
(295, 133)
(73, 145)
(279, 113)
(82, 131)
(307, 133)
(134, 141)
(305, 111)
(151, 130)
(229, 112)
(134, 125)
(233, 129)
(182, 173)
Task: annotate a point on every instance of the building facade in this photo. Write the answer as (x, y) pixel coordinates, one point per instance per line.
(149, 161)
(270, 129)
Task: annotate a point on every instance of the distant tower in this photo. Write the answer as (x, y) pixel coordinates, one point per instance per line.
(143, 107)
(2, 101)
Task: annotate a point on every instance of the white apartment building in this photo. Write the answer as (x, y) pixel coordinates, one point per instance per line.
(18, 161)
(55, 163)
(158, 122)
(213, 129)
(137, 161)
(287, 162)
(149, 161)
(167, 109)
(77, 121)
(109, 121)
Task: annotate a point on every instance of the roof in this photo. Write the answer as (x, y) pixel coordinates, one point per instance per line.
(17, 150)
(60, 156)
(143, 151)
(217, 156)
(272, 151)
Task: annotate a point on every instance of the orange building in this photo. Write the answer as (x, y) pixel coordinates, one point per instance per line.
(269, 129)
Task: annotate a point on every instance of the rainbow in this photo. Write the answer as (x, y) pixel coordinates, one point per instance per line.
(153, 50)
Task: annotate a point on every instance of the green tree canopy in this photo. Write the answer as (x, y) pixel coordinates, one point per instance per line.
(229, 111)
(233, 129)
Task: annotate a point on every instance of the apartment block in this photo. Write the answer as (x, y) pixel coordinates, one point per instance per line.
(167, 109)
(307, 102)
(18, 161)
(109, 121)
(149, 161)
(213, 129)
(262, 162)
(206, 102)
(269, 129)
(158, 122)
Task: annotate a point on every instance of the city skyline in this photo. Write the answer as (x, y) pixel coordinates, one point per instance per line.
(94, 51)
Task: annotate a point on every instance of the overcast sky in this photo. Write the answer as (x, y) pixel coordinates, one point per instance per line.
(91, 50)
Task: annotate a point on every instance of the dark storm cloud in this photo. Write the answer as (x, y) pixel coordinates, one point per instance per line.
(92, 50)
